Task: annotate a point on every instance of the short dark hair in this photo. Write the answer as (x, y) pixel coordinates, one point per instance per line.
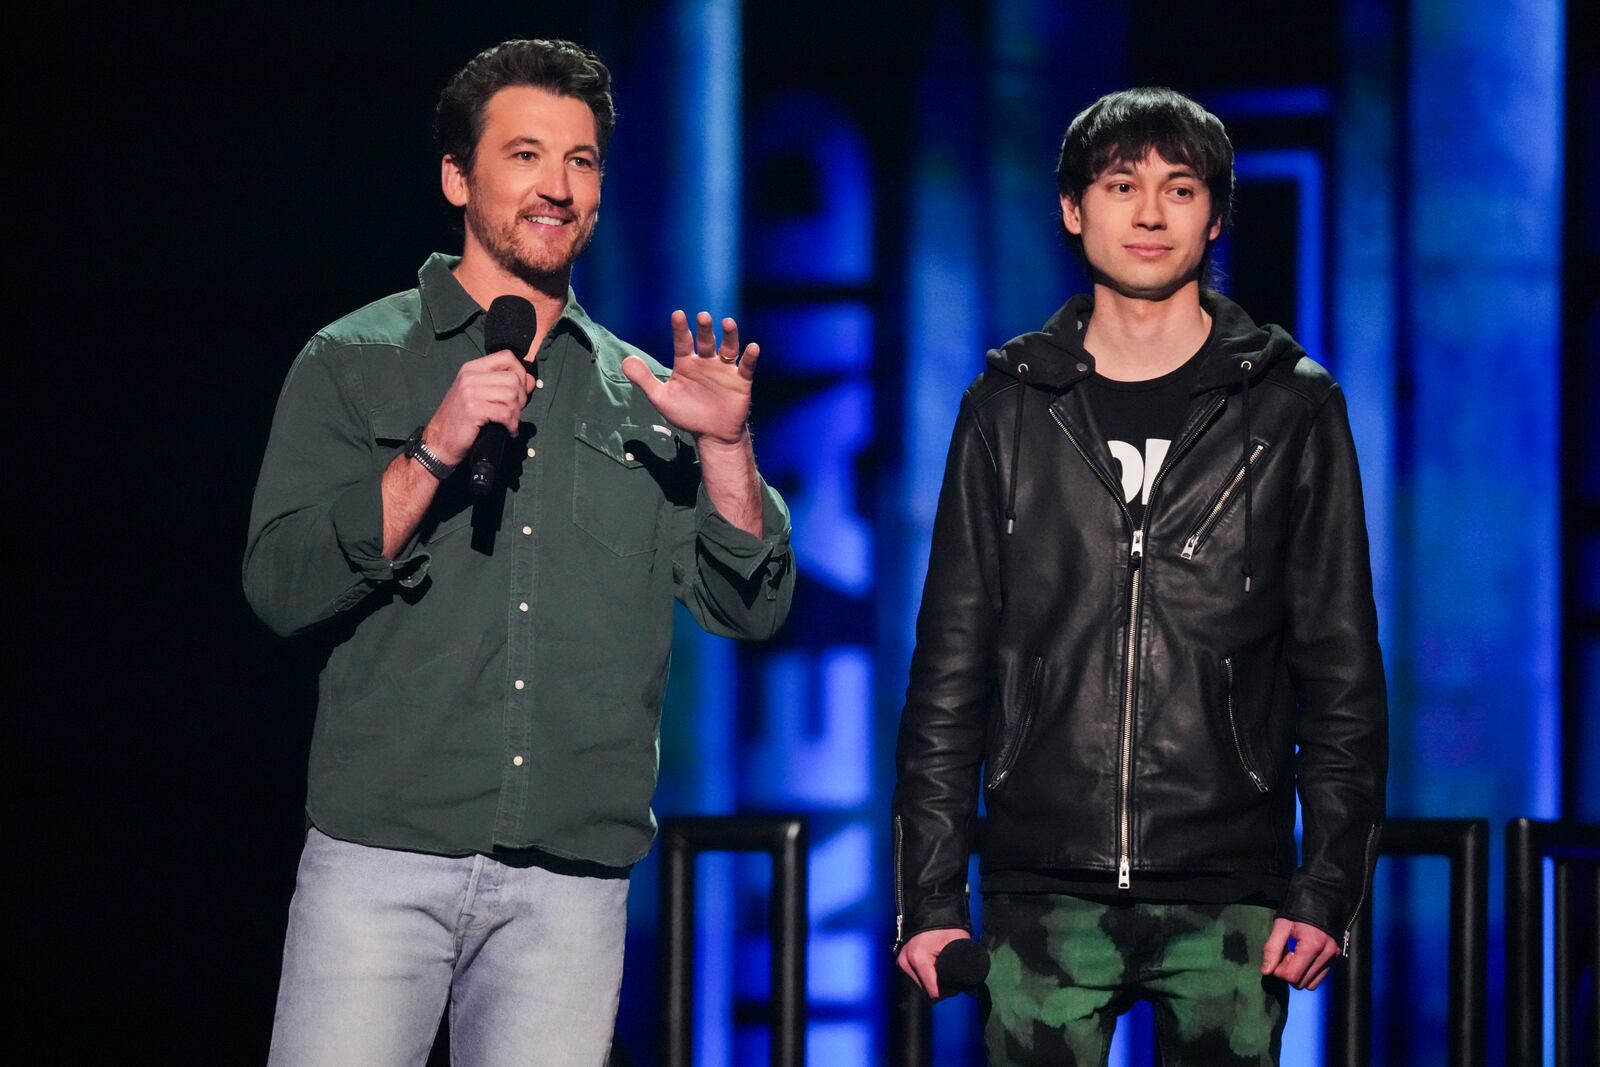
(560, 67)
(1124, 127)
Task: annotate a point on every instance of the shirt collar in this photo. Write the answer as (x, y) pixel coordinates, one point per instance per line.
(451, 308)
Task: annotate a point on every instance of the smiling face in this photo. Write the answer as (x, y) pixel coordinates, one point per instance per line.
(533, 194)
(1145, 227)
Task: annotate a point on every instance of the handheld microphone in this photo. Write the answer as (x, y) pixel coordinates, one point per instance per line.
(962, 967)
(510, 323)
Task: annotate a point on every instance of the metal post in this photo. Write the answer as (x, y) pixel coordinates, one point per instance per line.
(1563, 991)
(677, 940)
(787, 920)
(783, 838)
(1350, 1015)
(1465, 843)
(1528, 844)
(1524, 943)
(1469, 946)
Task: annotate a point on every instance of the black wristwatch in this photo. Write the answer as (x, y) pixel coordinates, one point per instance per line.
(431, 463)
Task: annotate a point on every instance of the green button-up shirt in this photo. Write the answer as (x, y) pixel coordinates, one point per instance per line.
(499, 683)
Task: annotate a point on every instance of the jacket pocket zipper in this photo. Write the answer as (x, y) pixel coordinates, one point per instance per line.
(1233, 726)
(1220, 508)
(1009, 752)
(899, 888)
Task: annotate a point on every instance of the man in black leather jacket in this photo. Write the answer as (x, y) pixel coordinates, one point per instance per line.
(1147, 623)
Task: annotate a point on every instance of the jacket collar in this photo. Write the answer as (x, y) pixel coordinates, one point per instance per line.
(1054, 357)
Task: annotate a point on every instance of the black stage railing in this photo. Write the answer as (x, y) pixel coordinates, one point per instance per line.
(1465, 843)
(784, 838)
(1574, 847)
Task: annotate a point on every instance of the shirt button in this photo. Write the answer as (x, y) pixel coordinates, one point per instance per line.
(628, 456)
(538, 383)
(516, 761)
(522, 606)
(527, 531)
(519, 683)
(532, 452)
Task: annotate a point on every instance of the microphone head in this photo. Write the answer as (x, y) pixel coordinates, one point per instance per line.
(962, 966)
(510, 323)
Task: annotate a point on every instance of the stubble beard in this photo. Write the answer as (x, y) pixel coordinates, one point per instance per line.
(538, 267)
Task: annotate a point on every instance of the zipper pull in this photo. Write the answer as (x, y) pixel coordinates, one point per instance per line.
(1189, 546)
(1124, 874)
(1137, 552)
(1345, 951)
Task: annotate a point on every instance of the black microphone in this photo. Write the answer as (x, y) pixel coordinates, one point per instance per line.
(510, 323)
(962, 966)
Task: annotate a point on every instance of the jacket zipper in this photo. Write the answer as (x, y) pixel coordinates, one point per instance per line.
(1233, 725)
(1009, 753)
(1203, 531)
(1366, 877)
(1131, 645)
(899, 888)
(1125, 785)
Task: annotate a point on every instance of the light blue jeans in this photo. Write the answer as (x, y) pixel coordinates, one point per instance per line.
(528, 960)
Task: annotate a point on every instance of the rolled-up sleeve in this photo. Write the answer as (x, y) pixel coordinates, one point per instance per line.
(315, 545)
(734, 583)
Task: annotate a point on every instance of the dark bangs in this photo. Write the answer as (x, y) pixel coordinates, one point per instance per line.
(1125, 127)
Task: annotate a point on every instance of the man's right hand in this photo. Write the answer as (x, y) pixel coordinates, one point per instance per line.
(918, 954)
(493, 388)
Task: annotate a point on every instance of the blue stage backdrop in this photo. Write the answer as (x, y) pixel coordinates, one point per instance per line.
(878, 208)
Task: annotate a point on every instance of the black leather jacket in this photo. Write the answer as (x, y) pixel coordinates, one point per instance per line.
(1146, 700)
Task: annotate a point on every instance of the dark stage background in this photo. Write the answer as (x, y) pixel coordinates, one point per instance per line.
(870, 189)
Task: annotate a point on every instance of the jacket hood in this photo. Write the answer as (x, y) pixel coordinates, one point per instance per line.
(1054, 357)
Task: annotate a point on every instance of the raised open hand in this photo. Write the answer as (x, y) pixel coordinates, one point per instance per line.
(708, 393)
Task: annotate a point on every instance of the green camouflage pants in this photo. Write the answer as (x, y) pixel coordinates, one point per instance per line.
(1064, 968)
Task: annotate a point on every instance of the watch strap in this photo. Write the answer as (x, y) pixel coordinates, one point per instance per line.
(420, 452)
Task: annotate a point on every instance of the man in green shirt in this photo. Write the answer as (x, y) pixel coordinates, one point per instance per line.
(486, 737)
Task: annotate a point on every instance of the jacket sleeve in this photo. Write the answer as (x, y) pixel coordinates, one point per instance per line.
(315, 546)
(940, 748)
(733, 583)
(1337, 667)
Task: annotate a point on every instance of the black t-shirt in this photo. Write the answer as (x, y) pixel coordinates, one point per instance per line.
(1198, 888)
(1139, 421)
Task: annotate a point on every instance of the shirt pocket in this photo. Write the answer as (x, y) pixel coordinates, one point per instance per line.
(615, 497)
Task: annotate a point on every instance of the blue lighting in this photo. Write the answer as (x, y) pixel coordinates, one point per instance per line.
(815, 746)
(1290, 101)
(1431, 224)
(823, 339)
(810, 742)
(824, 235)
(1304, 168)
(814, 445)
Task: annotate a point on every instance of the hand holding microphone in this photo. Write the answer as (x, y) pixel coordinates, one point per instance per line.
(944, 962)
(510, 324)
(483, 406)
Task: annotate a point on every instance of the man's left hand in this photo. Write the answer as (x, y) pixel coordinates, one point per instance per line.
(709, 391)
(1308, 963)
